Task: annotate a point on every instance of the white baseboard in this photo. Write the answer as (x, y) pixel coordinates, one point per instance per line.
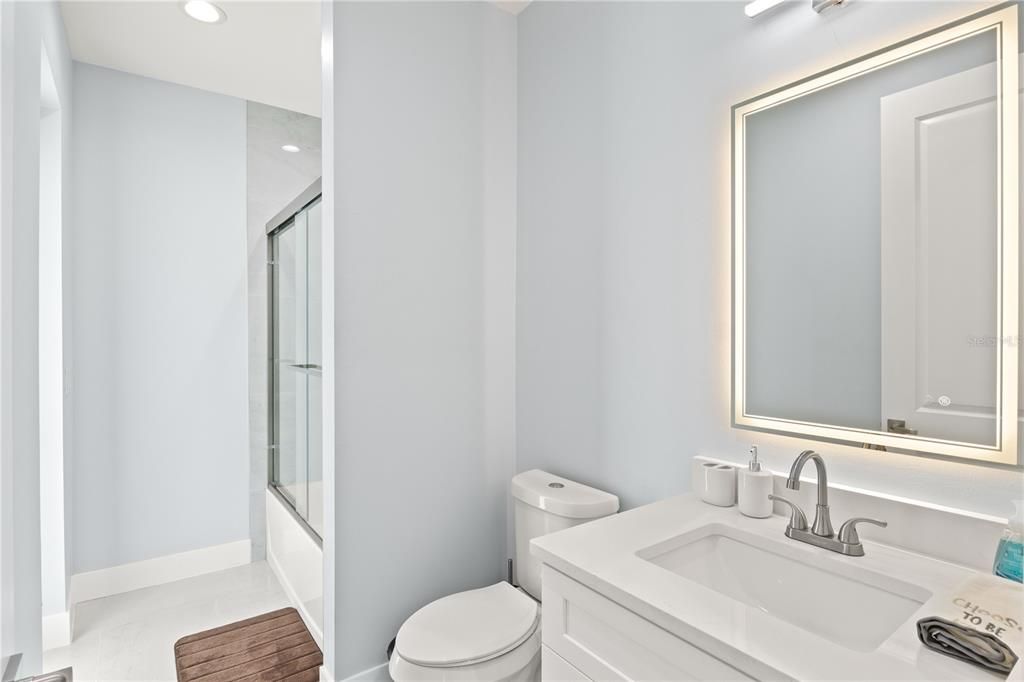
(57, 630)
(165, 569)
(378, 673)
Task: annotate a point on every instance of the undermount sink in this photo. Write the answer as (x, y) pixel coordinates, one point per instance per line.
(829, 597)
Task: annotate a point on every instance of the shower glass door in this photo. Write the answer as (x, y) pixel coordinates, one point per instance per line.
(296, 458)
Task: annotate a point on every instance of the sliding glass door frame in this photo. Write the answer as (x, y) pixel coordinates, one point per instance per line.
(276, 228)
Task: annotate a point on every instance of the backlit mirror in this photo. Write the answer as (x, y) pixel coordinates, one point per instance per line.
(876, 248)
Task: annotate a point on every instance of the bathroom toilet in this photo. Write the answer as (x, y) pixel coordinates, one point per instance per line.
(493, 633)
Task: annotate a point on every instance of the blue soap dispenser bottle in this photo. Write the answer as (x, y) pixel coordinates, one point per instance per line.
(1009, 561)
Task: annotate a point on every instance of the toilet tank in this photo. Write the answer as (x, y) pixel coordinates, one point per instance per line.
(546, 504)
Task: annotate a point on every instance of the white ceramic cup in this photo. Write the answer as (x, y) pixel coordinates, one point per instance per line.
(719, 485)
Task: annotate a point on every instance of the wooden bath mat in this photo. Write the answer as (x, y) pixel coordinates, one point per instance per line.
(273, 646)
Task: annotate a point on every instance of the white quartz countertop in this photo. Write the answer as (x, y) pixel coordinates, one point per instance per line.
(603, 556)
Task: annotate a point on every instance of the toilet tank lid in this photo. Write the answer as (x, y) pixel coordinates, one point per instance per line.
(561, 496)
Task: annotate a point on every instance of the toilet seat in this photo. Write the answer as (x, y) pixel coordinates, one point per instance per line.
(468, 627)
(521, 664)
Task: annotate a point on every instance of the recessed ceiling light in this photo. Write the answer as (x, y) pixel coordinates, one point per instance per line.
(204, 11)
(289, 148)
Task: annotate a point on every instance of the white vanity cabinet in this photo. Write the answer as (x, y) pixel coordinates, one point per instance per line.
(589, 637)
(682, 590)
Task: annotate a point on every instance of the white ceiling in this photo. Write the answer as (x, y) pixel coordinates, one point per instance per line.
(267, 52)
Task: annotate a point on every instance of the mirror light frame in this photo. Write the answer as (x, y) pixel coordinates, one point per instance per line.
(1002, 20)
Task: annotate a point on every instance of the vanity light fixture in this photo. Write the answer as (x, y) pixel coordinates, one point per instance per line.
(757, 6)
(205, 12)
(290, 148)
(820, 6)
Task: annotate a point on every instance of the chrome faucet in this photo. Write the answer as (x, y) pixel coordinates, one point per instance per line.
(822, 526)
(820, 533)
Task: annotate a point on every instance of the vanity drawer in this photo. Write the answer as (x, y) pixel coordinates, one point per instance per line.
(554, 668)
(605, 641)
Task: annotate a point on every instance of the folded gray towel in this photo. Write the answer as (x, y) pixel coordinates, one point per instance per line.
(967, 644)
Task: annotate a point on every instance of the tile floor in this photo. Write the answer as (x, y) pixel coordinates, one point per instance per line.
(131, 636)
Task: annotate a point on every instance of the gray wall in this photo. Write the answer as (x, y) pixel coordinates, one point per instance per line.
(421, 139)
(623, 282)
(159, 300)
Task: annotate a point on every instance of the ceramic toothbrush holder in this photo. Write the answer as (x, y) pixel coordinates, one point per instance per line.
(719, 485)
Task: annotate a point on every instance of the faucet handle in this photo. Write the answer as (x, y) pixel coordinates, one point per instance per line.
(848, 531)
(797, 520)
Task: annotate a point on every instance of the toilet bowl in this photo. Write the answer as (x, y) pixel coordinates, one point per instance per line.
(493, 633)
